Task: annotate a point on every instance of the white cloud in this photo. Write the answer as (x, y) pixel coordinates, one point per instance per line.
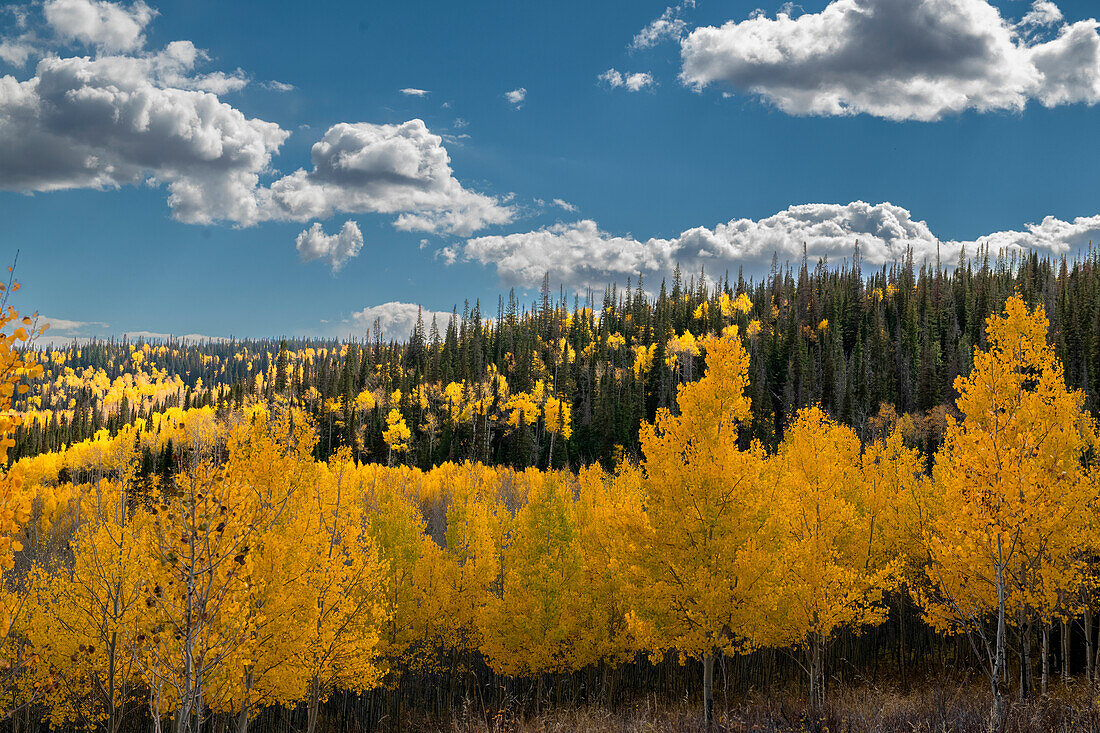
(113, 121)
(581, 255)
(116, 119)
(1043, 14)
(516, 97)
(668, 26)
(412, 92)
(103, 25)
(64, 331)
(633, 82)
(335, 249)
(395, 319)
(278, 86)
(363, 167)
(16, 51)
(562, 204)
(898, 59)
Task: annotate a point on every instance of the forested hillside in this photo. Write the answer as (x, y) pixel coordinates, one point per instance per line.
(562, 382)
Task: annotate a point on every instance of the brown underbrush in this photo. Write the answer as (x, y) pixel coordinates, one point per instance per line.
(933, 708)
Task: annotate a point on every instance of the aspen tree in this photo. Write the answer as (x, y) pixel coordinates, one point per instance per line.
(833, 569)
(704, 554)
(1012, 484)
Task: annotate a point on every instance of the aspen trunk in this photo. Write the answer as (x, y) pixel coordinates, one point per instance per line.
(999, 644)
(1065, 652)
(1046, 658)
(314, 705)
(817, 674)
(708, 691)
(1088, 643)
(242, 719)
(1025, 656)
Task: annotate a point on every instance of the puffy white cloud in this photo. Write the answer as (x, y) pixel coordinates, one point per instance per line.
(104, 25)
(117, 119)
(112, 121)
(395, 320)
(581, 255)
(516, 97)
(563, 204)
(898, 59)
(336, 249)
(363, 167)
(669, 25)
(633, 82)
(412, 92)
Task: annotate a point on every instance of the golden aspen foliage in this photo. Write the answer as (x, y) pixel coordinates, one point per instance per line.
(541, 618)
(702, 554)
(397, 433)
(339, 641)
(1013, 488)
(832, 565)
(82, 619)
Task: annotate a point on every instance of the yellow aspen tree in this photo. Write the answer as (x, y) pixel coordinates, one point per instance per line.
(610, 514)
(84, 617)
(541, 618)
(344, 582)
(831, 573)
(1012, 485)
(478, 524)
(396, 434)
(703, 554)
(16, 498)
(200, 580)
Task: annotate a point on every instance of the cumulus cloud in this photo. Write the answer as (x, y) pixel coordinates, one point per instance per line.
(125, 116)
(899, 59)
(516, 97)
(563, 204)
(581, 255)
(113, 121)
(363, 167)
(335, 249)
(412, 92)
(395, 320)
(633, 82)
(668, 26)
(103, 25)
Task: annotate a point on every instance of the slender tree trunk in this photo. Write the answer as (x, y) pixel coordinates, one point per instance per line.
(1088, 643)
(1046, 657)
(314, 705)
(1024, 627)
(1065, 652)
(817, 674)
(999, 644)
(242, 717)
(708, 691)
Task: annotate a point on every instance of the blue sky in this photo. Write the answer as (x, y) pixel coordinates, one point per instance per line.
(186, 167)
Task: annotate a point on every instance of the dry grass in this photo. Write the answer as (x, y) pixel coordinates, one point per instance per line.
(943, 708)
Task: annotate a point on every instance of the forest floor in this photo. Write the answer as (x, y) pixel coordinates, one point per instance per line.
(949, 708)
